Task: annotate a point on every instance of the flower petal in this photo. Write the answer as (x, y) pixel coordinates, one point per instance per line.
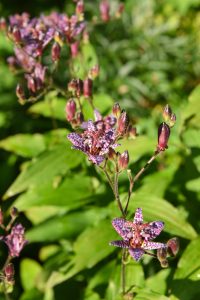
(120, 227)
(138, 218)
(152, 245)
(136, 253)
(152, 230)
(96, 159)
(121, 244)
(76, 139)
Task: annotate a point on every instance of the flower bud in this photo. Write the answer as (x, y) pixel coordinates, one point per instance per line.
(167, 113)
(14, 212)
(55, 52)
(70, 110)
(172, 120)
(173, 246)
(31, 84)
(1, 217)
(123, 161)
(94, 72)
(132, 132)
(9, 272)
(79, 87)
(16, 34)
(122, 123)
(80, 10)
(116, 110)
(74, 49)
(87, 88)
(120, 10)
(79, 118)
(112, 155)
(2, 24)
(20, 92)
(163, 136)
(104, 10)
(72, 86)
(162, 257)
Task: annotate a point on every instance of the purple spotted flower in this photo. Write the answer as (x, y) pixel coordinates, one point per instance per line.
(137, 236)
(15, 240)
(95, 141)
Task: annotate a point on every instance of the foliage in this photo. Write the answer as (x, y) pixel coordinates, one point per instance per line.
(148, 57)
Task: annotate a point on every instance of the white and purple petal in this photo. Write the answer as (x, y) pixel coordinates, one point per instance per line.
(138, 218)
(136, 253)
(96, 159)
(76, 140)
(152, 230)
(122, 230)
(152, 245)
(121, 244)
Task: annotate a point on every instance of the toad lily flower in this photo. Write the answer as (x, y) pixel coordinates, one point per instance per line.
(137, 235)
(15, 240)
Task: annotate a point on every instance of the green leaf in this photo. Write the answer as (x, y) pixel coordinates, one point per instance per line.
(191, 110)
(32, 294)
(191, 138)
(34, 270)
(193, 185)
(155, 208)
(150, 295)
(158, 282)
(90, 248)
(43, 169)
(66, 226)
(26, 145)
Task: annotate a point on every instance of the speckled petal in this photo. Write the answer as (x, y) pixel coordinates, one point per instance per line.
(136, 253)
(121, 244)
(76, 140)
(152, 245)
(96, 159)
(120, 227)
(152, 230)
(138, 218)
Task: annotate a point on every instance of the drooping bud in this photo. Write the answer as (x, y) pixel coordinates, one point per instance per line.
(2, 24)
(74, 49)
(167, 113)
(173, 246)
(172, 120)
(16, 34)
(163, 136)
(79, 87)
(162, 257)
(94, 72)
(132, 132)
(72, 86)
(14, 212)
(20, 93)
(87, 88)
(70, 110)
(104, 10)
(123, 161)
(9, 272)
(55, 52)
(116, 110)
(1, 217)
(112, 155)
(122, 123)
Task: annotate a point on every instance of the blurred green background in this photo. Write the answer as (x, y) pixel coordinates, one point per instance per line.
(149, 57)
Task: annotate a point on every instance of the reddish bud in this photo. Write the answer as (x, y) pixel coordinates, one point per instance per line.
(70, 110)
(2, 24)
(163, 136)
(1, 217)
(79, 87)
(94, 72)
(79, 8)
(104, 10)
(112, 155)
(122, 124)
(31, 84)
(172, 120)
(14, 212)
(116, 110)
(79, 118)
(74, 49)
(16, 34)
(9, 272)
(20, 92)
(55, 52)
(123, 161)
(162, 257)
(132, 132)
(167, 113)
(173, 246)
(87, 88)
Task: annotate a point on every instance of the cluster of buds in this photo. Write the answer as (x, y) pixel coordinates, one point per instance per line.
(124, 128)
(105, 10)
(164, 128)
(171, 250)
(15, 240)
(32, 36)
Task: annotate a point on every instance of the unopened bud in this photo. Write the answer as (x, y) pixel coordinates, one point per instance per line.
(163, 136)
(31, 84)
(87, 88)
(79, 118)
(173, 246)
(79, 87)
(80, 9)
(112, 155)
(167, 113)
(2, 24)
(94, 72)
(70, 110)
(132, 132)
(172, 120)
(104, 10)
(162, 257)
(20, 92)
(16, 35)
(1, 217)
(55, 52)
(9, 272)
(116, 110)
(122, 123)
(14, 212)
(123, 161)
(74, 49)
(120, 10)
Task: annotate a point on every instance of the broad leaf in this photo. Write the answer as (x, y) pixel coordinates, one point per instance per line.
(34, 269)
